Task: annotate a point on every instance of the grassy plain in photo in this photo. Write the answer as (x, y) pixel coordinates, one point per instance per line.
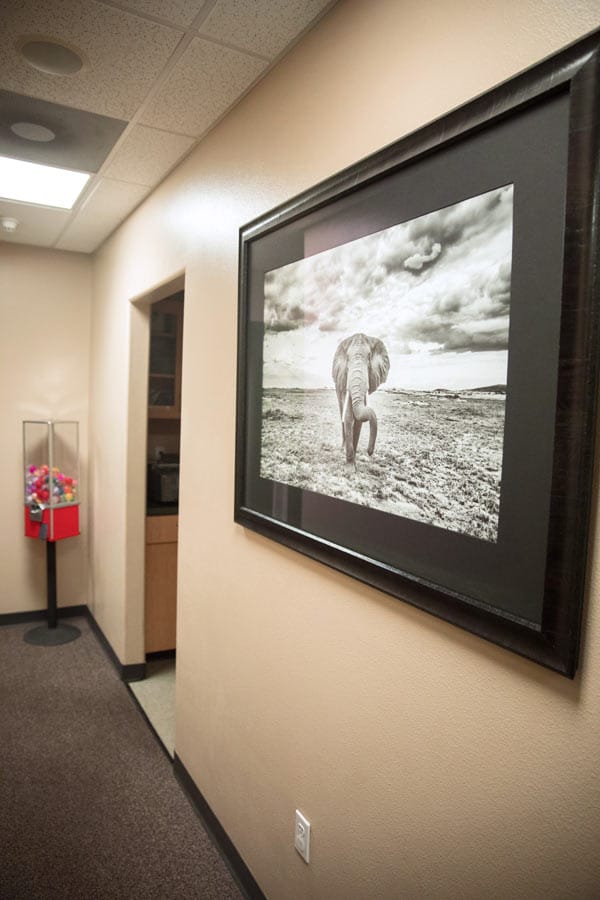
(437, 459)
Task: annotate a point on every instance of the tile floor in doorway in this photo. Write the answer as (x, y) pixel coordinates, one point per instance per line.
(156, 696)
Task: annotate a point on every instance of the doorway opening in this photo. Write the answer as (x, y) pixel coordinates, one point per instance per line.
(154, 441)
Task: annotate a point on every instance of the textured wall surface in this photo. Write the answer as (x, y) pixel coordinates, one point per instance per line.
(45, 301)
(431, 764)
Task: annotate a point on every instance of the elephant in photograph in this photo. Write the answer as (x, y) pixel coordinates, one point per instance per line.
(360, 365)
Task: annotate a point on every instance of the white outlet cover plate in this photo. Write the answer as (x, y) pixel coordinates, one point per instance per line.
(302, 836)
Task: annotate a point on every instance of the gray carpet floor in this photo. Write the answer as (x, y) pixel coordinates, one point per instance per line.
(89, 807)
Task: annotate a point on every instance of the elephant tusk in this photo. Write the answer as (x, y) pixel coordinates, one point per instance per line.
(347, 400)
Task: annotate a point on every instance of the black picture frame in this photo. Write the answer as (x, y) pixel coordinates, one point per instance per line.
(540, 132)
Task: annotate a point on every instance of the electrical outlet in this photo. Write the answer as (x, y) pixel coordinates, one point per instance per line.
(302, 836)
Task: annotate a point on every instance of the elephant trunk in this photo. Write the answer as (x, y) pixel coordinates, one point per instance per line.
(358, 382)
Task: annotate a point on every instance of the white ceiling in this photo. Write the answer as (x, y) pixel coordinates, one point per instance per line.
(157, 74)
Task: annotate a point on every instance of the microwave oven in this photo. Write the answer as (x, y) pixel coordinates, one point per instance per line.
(163, 482)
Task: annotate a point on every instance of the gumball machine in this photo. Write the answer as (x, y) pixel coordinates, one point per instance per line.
(51, 486)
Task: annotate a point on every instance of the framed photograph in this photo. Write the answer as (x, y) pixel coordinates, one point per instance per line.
(417, 363)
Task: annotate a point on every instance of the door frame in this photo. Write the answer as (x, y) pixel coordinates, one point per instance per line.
(135, 476)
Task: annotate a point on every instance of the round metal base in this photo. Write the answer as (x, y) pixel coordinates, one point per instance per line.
(42, 636)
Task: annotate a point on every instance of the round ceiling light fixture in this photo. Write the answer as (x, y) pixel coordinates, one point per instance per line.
(29, 131)
(50, 56)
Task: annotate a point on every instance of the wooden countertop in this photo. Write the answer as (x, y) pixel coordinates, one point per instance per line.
(162, 509)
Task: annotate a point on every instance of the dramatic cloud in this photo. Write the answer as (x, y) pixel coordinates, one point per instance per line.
(459, 319)
(436, 284)
(418, 260)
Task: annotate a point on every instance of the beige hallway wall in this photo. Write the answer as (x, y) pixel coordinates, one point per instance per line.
(431, 764)
(45, 301)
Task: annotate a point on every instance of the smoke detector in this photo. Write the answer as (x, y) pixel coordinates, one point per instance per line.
(8, 224)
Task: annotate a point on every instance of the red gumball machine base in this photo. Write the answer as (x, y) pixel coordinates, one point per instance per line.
(52, 524)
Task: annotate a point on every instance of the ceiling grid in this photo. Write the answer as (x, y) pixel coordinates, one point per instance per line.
(157, 75)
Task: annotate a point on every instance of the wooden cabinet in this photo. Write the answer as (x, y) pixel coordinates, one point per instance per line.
(164, 377)
(161, 583)
(164, 412)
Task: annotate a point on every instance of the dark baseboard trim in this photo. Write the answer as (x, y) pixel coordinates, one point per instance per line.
(160, 654)
(131, 672)
(235, 863)
(36, 615)
(66, 611)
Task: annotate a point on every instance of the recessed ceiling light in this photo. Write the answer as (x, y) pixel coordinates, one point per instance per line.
(32, 132)
(50, 56)
(43, 185)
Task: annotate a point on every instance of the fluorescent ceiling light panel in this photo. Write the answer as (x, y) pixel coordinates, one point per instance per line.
(43, 185)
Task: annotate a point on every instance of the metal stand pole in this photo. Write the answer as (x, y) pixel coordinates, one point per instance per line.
(52, 634)
(51, 583)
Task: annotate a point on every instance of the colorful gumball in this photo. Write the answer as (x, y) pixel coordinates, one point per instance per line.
(49, 485)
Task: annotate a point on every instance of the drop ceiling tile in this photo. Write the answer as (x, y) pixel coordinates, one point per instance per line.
(179, 12)
(202, 86)
(261, 26)
(124, 54)
(109, 204)
(83, 139)
(38, 225)
(146, 155)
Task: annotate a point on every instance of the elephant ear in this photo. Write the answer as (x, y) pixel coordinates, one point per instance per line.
(380, 364)
(339, 370)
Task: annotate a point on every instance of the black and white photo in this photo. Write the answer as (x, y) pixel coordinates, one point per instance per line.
(385, 367)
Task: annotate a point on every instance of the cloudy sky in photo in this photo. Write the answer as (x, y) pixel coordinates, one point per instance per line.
(435, 289)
